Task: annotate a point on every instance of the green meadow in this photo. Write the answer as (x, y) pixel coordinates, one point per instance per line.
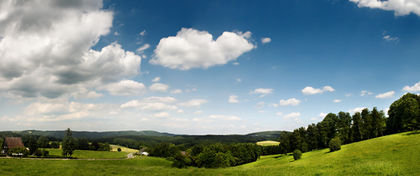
(396, 154)
(88, 154)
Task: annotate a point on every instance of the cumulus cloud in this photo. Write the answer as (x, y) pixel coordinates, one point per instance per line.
(292, 115)
(159, 87)
(337, 101)
(386, 95)
(176, 91)
(46, 48)
(225, 117)
(156, 79)
(126, 87)
(265, 40)
(414, 88)
(192, 48)
(194, 103)
(289, 102)
(142, 48)
(233, 99)
(152, 104)
(358, 109)
(312, 91)
(262, 91)
(365, 92)
(162, 114)
(400, 7)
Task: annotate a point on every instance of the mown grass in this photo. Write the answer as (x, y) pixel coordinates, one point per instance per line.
(268, 143)
(88, 154)
(390, 155)
(114, 148)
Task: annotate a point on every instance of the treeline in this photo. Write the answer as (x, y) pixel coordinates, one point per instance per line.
(208, 156)
(404, 115)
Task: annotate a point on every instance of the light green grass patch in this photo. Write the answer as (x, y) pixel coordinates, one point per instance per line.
(268, 143)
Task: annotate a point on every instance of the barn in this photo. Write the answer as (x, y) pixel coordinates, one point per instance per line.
(12, 142)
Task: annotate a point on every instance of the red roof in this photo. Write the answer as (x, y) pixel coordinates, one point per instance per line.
(13, 142)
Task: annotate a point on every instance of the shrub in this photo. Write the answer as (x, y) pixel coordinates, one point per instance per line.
(45, 153)
(119, 149)
(335, 144)
(297, 154)
(18, 151)
(37, 153)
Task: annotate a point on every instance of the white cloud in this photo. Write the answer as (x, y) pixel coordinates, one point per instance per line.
(262, 91)
(279, 113)
(162, 114)
(414, 88)
(390, 38)
(358, 109)
(260, 104)
(236, 63)
(152, 104)
(225, 117)
(336, 101)
(58, 58)
(176, 91)
(291, 115)
(126, 87)
(386, 95)
(322, 114)
(400, 7)
(233, 99)
(142, 33)
(290, 101)
(159, 87)
(191, 48)
(198, 112)
(142, 48)
(265, 40)
(156, 79)
(194, 103)
(312, 91)
(365, 92)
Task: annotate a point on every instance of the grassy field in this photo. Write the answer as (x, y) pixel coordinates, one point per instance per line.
(87, 154)
(390, 155)
(268, 143)
(114, 148)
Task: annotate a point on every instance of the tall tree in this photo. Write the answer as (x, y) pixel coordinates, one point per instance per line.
(357, 127)
(367, 124)
(404, 114)
(313, 136)
(68, 144)
(43, 142)
(344, 126)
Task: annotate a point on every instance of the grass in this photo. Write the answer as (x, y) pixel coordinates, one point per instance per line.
(87, 154)
(114, 148)
(268, 143)
(389, 155)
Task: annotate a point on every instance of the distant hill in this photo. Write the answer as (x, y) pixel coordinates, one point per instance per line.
(90, 134)
(270, 135)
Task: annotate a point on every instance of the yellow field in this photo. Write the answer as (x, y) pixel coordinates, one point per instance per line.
(268, 143)
(114, 148)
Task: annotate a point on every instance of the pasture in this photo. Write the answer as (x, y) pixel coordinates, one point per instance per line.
(396, 154)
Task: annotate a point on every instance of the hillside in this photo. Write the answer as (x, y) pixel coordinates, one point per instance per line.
(389, 155)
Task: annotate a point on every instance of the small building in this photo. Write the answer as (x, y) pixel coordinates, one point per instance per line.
(12, 142)
(144, 153)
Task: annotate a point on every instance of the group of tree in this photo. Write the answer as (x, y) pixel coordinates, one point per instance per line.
(70, 144)
(209, 156)
(343, 128)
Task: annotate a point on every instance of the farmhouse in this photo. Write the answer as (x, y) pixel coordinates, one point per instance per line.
(10, 143)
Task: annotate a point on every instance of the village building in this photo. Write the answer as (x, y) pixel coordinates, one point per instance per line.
(10, 143)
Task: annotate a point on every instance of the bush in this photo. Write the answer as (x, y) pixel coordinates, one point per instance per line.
(18, 151)
(45, 153)
(119, 149)
(297, 154)
(335, 144)
(37, 153)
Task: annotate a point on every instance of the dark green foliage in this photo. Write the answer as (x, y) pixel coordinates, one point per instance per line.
(31, 143)
(43, 142)
(37, 153)
(45, 153)
(404, 114)
(357, 127)
(55, 144)
(83, 144)
(69, 144)
(297, 154)
(18, 150)
(163, 150)
(335, 144)
(271, 150)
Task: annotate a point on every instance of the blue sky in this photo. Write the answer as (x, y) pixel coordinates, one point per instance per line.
(200, 67)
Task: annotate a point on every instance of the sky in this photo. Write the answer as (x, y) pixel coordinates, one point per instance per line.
(202, 67)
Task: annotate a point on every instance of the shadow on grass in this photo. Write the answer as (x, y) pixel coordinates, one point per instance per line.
(413, 132)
